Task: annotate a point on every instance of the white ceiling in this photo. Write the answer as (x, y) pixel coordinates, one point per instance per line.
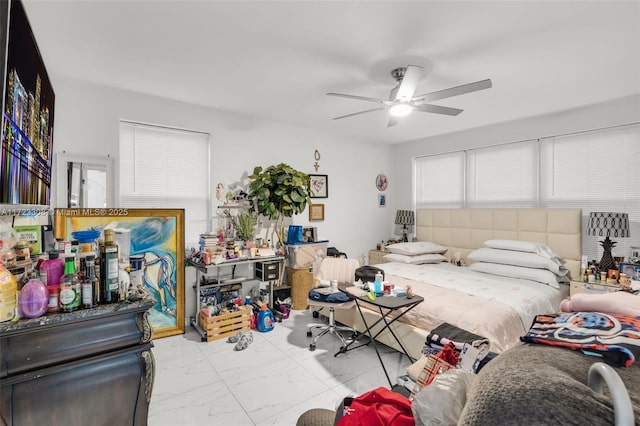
(277, 59)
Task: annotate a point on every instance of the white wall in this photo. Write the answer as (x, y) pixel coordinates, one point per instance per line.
(619, 111)
(87, 117)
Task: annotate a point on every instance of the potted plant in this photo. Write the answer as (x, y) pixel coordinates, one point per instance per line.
(279, 191)
(244, 223)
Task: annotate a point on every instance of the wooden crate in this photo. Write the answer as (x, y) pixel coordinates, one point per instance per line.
(225, 325)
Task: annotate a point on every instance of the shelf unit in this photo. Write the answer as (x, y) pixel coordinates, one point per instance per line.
(222, 279)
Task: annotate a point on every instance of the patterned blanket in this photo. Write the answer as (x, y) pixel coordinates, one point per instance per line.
(614, 337)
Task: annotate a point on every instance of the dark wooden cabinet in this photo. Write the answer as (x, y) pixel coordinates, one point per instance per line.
(90, 367)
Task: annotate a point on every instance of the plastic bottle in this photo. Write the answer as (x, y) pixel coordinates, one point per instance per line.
(52, 269)
(70, 289)
(265, 319)
(377, 284)
(8, 290)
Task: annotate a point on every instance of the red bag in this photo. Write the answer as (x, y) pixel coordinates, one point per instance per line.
(379, 407)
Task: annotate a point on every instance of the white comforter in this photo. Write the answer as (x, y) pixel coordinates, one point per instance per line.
(501, 309)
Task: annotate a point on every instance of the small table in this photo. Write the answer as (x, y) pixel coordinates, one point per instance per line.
(389, 304)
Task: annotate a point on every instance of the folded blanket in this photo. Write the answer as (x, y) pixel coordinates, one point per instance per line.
(446, 333)
(618, 302)
(614, 337)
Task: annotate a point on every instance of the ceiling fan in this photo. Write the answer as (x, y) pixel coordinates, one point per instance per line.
(402, 100)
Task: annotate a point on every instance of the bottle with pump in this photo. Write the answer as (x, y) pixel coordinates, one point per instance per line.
(109, 272)
(70, 292)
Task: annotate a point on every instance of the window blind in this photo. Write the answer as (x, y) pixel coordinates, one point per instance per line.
(595, 171)
(166, 168)
(432, 189)
(503, 176)
(592, 170)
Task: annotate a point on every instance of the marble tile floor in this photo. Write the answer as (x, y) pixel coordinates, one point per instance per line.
(272, 382)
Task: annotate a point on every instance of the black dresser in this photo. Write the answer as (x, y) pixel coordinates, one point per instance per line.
(89, 367)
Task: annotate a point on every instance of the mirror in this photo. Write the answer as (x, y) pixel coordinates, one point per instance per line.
(86, 185)
(84, 181)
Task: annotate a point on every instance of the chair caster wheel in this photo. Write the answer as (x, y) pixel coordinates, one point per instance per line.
(309, 334)
(316, 314)
(312, 348)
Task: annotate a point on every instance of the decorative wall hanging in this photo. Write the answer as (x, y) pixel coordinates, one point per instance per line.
(316, 212)
(382, 200)
(316, 155)
(319, 186)
(158, 234)
(381, 182)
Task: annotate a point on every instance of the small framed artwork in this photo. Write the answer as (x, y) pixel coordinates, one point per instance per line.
(316, 212)
(632, 271)
(309, 234)
(381, 182)
(382, 200)
(319, 186)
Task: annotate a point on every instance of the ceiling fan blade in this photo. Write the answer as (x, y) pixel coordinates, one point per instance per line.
(437, 109)
(361, 112)
(409, 83)
(392, 121)
(360, 98)
(453, 91)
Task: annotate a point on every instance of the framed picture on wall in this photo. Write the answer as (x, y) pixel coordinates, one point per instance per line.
(319, 186)
(157, 235)
(382, 200)
(632, 271)
(316, 212)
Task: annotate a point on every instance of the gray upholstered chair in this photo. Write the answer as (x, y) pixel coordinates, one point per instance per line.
(344, 271)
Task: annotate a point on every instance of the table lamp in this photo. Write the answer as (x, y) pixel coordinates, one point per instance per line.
(605, 224)
(404, 218)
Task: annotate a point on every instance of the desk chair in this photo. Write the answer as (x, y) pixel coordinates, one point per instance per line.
(343, 270)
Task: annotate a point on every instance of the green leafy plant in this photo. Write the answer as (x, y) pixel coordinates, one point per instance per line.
(279, 191)
(244, 223)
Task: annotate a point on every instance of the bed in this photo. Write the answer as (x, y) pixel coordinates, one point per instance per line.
(485, 308)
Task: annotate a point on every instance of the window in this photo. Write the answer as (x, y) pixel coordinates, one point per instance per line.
(162, 167)
(432, 191)
(503, 176)
(592, 170)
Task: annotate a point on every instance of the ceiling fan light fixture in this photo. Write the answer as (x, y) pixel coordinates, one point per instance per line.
(400, 110)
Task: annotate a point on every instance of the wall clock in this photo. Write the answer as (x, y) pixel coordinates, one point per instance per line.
(381, 182)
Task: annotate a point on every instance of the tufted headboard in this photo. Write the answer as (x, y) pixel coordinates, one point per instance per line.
(464, 230)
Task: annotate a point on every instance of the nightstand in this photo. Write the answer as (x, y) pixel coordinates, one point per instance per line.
(376, 256)
(576, 287)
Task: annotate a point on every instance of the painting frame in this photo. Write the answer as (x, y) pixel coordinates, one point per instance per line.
(382, 200)
(166, 251)
(631, 269)
(316, 212)
(319, 185)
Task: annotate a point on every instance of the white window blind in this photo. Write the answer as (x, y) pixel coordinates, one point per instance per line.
(503, 176)
(439, 181)
(166, 168)
(592, 170)
(595, 171)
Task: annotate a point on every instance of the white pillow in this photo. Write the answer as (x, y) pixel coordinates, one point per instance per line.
(415, 260)
(418, 247)
(517, 258)
(528, 246)
(539, 275)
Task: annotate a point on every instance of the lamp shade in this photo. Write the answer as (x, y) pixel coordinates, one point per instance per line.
(404, 217)
(605, 224)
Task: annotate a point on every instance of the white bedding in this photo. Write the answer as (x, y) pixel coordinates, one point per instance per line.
(501, 309)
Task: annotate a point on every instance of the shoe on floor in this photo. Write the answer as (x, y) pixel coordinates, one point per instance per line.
(244, 341)
(235, 338)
